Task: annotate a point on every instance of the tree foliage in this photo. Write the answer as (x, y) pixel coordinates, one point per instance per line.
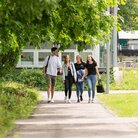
(65, 22)
(129, 15)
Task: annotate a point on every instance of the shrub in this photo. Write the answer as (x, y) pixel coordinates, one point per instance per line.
(16, 101)
(32, 77)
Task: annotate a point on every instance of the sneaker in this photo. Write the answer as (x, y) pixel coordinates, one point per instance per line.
(48, 101)
(92, 100)
(65, 99)
(81, 98)
(52, 101)
(89, 101)
(69, 101)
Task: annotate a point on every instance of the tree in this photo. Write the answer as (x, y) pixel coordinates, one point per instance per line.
(65, 22)
(129, 15)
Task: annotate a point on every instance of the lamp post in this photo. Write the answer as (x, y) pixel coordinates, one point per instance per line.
(108, 60)
(114, 40)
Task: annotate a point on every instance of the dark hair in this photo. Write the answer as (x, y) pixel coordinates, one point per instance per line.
(65, 62)
(53, 49)
(92, 60)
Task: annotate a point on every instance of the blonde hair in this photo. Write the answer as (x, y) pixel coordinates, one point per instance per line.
(79, 57)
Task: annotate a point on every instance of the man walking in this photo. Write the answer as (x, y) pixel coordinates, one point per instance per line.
(51, 66)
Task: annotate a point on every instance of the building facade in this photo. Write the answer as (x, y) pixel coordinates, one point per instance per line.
(128, 49)
(32, 57)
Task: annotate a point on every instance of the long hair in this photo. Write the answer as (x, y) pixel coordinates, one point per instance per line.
(65, 62)
(80, 58)
(92, 59)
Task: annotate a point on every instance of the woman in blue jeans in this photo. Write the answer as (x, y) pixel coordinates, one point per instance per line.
(79, 66)
(92, 69)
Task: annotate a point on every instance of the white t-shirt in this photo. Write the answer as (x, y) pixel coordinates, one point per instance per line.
(53, 64)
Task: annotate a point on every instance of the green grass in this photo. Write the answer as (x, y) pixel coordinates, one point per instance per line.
(129, 80)
(124, 105)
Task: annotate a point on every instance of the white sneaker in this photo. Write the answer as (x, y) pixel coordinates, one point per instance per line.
(69, 101)
(92, 100)
(65, 99)
(52, 101)
(49, 101)
(89, 101)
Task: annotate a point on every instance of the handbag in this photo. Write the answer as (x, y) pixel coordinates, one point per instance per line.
(100, 88)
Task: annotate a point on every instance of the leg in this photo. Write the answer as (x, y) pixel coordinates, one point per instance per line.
(93, 85)
(48, 81)
(77, 89)
(48, 91)
(70, 86)
(81, 90)
(53, 79)
(89, 86)
(81, 87)
(66, 85)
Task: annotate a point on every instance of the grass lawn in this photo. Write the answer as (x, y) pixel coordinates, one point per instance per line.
(129, 80)
(124, 105)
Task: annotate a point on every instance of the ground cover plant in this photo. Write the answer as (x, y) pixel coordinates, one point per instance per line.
(123, 105)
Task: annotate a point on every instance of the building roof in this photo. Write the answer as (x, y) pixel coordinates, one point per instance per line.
(128, 35)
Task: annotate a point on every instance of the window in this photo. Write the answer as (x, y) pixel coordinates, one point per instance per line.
(27, 58)
(42, 56)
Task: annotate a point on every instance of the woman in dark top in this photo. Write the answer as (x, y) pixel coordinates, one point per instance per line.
(69, 74)
(79, 66)
(92, 69)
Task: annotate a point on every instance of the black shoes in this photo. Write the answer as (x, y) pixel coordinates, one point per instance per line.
(78, 101)
(81, 98)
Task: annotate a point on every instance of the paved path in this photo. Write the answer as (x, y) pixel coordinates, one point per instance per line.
(75, 120)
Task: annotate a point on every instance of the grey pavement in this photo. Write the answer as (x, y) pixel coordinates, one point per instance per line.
(75, 120)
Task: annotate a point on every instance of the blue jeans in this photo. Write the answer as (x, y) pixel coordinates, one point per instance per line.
(80, 88)
(91, 85)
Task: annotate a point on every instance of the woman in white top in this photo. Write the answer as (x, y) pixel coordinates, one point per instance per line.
(69, 76)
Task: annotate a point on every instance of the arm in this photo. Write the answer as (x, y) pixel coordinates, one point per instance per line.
(74, 71)
(97, 71)
(59, 66)
(85, 71)
(63, 70)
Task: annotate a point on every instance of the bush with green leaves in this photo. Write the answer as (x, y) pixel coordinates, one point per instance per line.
(16, 101)
(32, 78)
(29, 77)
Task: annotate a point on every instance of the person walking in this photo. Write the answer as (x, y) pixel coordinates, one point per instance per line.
(69, 75)
(92, 69)
(51, 66)
(79, 66)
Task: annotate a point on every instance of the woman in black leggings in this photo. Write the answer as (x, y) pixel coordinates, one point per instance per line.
(69, 74)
